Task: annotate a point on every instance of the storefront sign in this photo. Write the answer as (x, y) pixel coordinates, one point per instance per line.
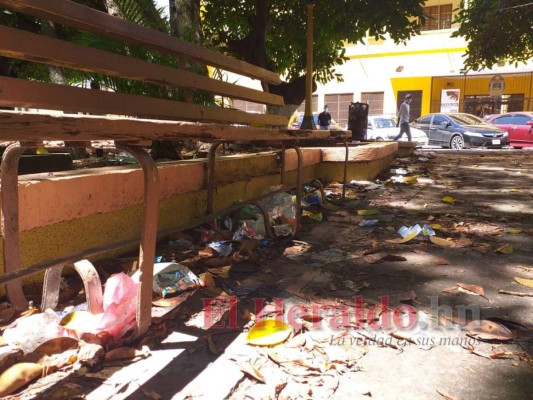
(496, 86)
(449, 100)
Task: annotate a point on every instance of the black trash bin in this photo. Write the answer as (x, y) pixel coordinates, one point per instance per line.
(358, 120)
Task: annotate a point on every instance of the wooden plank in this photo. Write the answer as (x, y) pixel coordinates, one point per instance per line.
(27, 94)
(78, 16)
(22, 45)
(32, 127)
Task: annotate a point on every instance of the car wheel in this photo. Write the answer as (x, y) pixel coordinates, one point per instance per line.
(518, 147)
(457, 142)
(379, 139)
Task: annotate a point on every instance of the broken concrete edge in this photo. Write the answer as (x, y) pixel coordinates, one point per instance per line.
(73, 210)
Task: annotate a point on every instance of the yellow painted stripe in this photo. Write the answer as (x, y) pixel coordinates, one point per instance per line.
(409, 53)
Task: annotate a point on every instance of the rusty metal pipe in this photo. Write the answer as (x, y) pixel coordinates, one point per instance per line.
(211, 155)
(10, 222)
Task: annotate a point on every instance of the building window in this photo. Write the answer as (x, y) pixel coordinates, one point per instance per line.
(374, 100)
(338, 105)
(314, 104)
(248, 106)
(438, 17)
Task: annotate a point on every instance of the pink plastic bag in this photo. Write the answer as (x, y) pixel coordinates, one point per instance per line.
(120, 305)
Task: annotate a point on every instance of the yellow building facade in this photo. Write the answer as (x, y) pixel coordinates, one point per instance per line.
(430, 67)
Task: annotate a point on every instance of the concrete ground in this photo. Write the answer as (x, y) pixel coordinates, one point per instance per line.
(479, 204)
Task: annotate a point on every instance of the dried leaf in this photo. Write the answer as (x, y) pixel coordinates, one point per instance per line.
(249, 369)
(452, 289)
(367, 212)
(448, 199)
(488, 330)
(17, 376)
(514, 231)
(446, 395)
(471, 289)
(268, 332)
(53, 346)
(208, 280)
(505, 249)
(436, 227)
(441, 242)
(410, 179)
(524, 281)
(127, 354)
(513, 190)
(404, 239)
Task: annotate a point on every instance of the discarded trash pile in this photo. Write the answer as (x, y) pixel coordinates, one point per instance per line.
(36, 343)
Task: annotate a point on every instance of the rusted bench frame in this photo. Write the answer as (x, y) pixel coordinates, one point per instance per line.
(162, 116)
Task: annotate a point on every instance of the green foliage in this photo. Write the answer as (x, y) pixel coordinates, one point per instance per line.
(496, 31)
(335, 22)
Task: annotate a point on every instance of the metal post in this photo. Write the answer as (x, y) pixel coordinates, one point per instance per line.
(307, 122)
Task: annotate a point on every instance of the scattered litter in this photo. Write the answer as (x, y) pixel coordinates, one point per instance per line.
(369, 222)
(425, 231)
(172, 278)
(366, 185)
(30, 332)
(398, 171)
(268, 332)
(223, 248)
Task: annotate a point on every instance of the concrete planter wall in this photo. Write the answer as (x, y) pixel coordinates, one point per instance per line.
(66, 212)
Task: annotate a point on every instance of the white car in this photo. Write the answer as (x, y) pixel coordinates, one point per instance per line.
(383, 128)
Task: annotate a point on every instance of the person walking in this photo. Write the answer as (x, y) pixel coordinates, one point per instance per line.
(403, 118)
(324, 119)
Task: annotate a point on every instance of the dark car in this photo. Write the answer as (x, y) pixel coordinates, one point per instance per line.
(459, 130)
(519, 126)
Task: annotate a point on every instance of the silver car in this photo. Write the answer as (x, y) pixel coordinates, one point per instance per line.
(383, 128)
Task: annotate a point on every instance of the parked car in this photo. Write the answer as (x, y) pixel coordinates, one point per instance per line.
(459, 130)
(519, 126)
(383, 127)
(296, 121)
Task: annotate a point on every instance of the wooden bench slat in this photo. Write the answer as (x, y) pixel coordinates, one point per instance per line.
(30, 127)
(78, 16)
(27, 94)
(18, 44)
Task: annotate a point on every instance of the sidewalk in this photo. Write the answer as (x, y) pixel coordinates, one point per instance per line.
(369, 315)
(435, 358)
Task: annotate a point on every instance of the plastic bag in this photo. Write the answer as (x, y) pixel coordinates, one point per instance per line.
(120, 305)
(34, 330)
(172, 278)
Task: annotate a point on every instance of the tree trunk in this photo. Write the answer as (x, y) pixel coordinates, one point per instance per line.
(185, 21)
(252, 49)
